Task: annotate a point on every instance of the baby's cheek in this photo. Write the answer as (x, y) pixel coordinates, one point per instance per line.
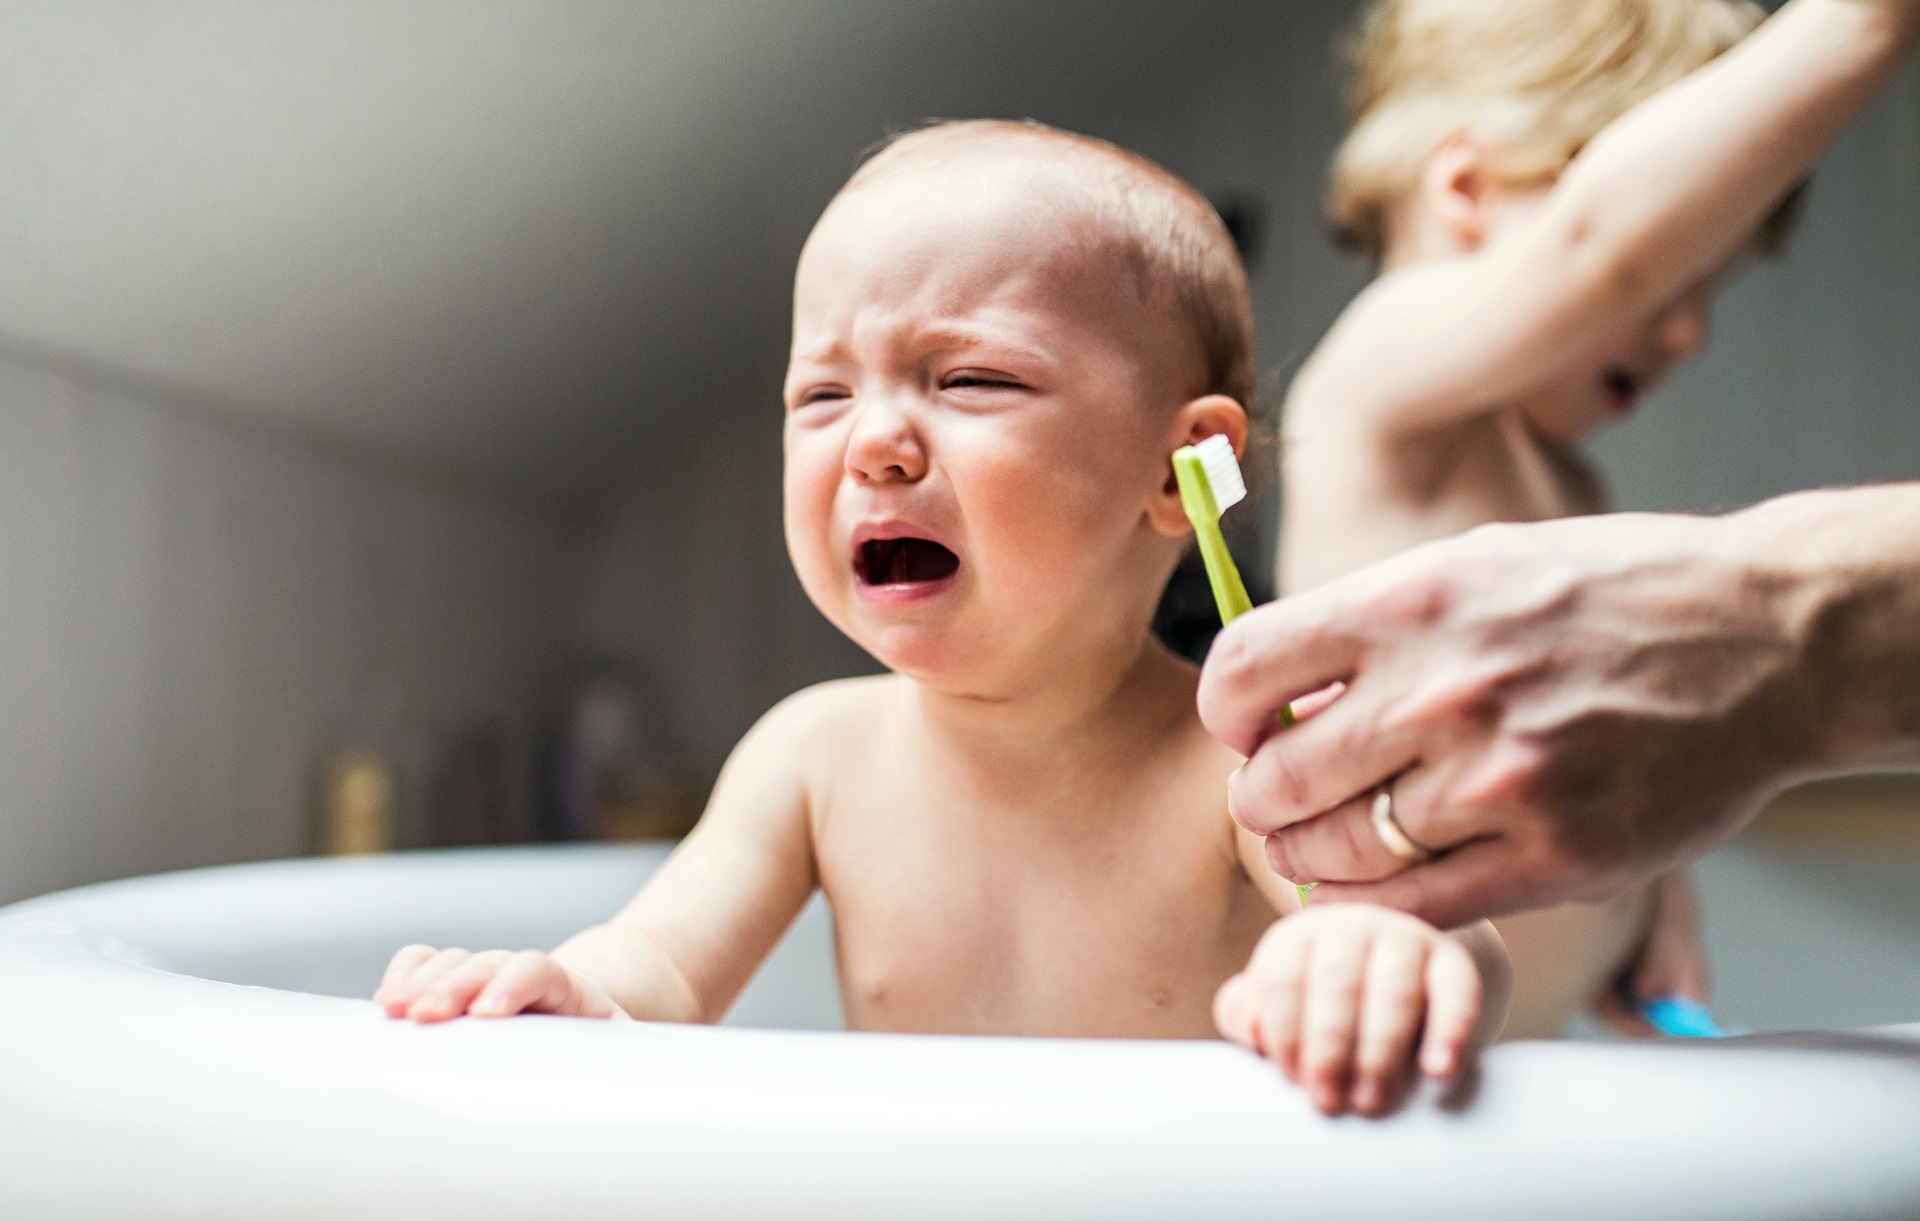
(808, 517)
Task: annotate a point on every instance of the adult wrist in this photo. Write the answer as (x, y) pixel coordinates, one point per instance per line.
(1838, 573)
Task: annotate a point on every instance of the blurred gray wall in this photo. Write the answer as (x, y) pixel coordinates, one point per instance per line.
(192, 619)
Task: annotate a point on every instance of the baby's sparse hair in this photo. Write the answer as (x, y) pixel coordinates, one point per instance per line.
(1532, 80)
(1177, 244)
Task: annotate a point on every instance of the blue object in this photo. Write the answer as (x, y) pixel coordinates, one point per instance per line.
(1681, 1016)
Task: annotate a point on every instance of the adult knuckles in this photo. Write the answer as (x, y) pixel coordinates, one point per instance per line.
(1510, 777)
(1232, 690)
(1422, 598)
(1276, 780)
(1471, 697)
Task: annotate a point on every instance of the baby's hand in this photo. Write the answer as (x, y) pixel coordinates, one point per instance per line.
(1336, 997)
(431, 985)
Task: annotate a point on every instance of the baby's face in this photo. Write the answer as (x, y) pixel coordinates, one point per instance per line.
(1606, 387)
(974, 428)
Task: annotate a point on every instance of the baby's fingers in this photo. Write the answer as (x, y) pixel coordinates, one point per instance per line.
(1389, 1022)
(529, 982)
(400, 992)
(1236, 1012)
(1453, 1007)
(405, 962)
(1277, 980)
(1336, 972)
(453, 989)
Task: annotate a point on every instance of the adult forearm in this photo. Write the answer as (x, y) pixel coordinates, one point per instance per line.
(1843, 567)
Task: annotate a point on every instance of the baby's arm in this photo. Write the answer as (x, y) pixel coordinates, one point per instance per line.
(1663, 197)
(686, 945)
(1671, 959)
(1338, 996)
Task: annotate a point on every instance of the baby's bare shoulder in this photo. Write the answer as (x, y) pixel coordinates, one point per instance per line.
(824, 713)
(796, 746)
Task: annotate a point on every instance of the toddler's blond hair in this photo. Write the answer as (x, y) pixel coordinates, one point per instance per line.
(1532, 80)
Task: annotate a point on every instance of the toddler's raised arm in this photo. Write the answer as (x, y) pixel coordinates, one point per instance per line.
(1662, 198)
(686, 945)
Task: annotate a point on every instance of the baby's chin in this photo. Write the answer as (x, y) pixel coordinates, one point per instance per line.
(1568, 423)
(934, 651)
(925, 652)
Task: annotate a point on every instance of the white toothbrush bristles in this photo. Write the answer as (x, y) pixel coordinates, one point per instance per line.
(1223, 471)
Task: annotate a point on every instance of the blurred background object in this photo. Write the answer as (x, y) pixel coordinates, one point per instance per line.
(358, 805)
(612, 769)
(404, 377)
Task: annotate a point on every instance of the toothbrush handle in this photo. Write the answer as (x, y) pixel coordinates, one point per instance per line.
(1229, 593)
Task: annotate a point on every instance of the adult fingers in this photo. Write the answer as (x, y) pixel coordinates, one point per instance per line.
(1269, 657)
(528, 982)
(1342, 845)
(405, 962)
(1389, 1021)
(1476, 880)
(1453, 1007)
(1336, 973)
(450, 995)
(1334, 756)
(1336, 846)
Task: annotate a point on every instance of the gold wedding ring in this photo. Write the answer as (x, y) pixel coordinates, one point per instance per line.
(1392, 834)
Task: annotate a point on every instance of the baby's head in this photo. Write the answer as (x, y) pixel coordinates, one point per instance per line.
(1464, 113)
(1001, 332)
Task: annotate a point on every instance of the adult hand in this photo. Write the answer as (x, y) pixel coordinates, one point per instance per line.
(1565, 708)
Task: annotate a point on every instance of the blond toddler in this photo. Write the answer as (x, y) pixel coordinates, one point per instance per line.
(1552, 190)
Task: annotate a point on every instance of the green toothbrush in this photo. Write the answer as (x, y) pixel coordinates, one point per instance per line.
(1210, 484)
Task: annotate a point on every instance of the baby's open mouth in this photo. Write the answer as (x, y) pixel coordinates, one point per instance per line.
(903, 561)
(1622, 387)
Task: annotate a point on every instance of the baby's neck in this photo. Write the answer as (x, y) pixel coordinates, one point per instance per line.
(1089, 713)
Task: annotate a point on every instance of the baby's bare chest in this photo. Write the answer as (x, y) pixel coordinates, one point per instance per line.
(961, 919)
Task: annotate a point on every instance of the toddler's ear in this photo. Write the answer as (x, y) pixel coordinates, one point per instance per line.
(1460, 194)
(1212, 415)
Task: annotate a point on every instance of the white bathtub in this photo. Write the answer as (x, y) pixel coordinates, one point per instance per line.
(197, 1046)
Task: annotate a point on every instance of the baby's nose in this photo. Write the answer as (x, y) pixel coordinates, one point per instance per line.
(885, 447)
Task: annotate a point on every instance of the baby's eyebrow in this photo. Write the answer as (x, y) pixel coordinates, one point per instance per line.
(948, 337)
(954, 338)
(937, 338)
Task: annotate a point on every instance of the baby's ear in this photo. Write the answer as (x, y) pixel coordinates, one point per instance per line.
(1209, 416)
